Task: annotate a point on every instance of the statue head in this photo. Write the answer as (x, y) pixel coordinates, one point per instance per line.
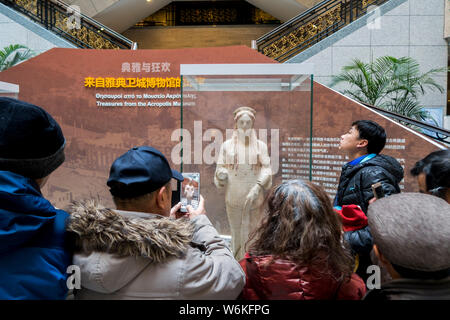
(244, 135)
(240, 112)
(244, 118)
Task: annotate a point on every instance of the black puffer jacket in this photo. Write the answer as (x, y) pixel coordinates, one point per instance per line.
(360, 240)
(356, 181)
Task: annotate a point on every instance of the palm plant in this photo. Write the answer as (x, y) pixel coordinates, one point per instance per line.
(13, 54)
(394, 84)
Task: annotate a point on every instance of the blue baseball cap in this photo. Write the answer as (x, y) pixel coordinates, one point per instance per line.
(139, 171)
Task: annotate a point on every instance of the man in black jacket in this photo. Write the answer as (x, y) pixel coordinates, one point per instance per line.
(362, 144)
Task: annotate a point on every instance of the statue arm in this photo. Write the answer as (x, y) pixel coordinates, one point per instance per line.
(221, 174)
(264, 179)
(265, 175)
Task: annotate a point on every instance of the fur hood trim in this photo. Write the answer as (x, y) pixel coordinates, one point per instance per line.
(97, 228)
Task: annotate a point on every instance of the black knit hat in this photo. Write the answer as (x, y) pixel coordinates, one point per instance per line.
(31, 141)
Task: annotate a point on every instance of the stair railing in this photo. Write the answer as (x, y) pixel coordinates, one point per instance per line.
(311, 26)
(70, 24)
(437, 133)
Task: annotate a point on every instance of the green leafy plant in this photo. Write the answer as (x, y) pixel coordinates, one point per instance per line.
(394, 84)
(14, 54)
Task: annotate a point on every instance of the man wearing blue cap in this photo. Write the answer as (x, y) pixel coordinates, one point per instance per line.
(141, 250)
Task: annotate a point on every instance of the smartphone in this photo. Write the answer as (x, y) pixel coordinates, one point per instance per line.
(190, 190)
(176, 186)
(377, 190)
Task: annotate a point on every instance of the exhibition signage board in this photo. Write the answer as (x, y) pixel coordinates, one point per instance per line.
(104, 117)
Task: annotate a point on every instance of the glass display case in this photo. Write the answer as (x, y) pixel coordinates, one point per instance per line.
(9, 90)
(244, 128)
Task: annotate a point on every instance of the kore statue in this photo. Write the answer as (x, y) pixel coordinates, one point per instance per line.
(243, 169)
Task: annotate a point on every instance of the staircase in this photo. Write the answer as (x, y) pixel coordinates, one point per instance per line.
(71, 25)
(312, 26)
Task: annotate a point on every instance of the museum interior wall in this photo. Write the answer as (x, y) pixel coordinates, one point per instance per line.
(120, 15)
(91, 7)
(413, 28)
(196, 36)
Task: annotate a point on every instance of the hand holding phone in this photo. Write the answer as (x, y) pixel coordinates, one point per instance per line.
(175, 211)
(199, 210)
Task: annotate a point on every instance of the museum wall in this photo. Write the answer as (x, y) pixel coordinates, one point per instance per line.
(196, 36)
(413, 28)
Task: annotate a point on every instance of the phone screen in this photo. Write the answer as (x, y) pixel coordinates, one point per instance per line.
(190, 190)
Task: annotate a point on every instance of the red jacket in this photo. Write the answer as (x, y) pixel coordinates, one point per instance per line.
(285, 280)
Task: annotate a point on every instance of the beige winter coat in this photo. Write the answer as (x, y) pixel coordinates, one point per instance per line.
(134, 255)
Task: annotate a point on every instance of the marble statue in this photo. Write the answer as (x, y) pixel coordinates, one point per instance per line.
(243, 169)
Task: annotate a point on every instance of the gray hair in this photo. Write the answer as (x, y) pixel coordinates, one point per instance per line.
(301, 193)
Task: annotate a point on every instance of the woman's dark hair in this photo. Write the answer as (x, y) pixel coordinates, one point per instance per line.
(300, 225)
(436, 167)
(373, 133)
